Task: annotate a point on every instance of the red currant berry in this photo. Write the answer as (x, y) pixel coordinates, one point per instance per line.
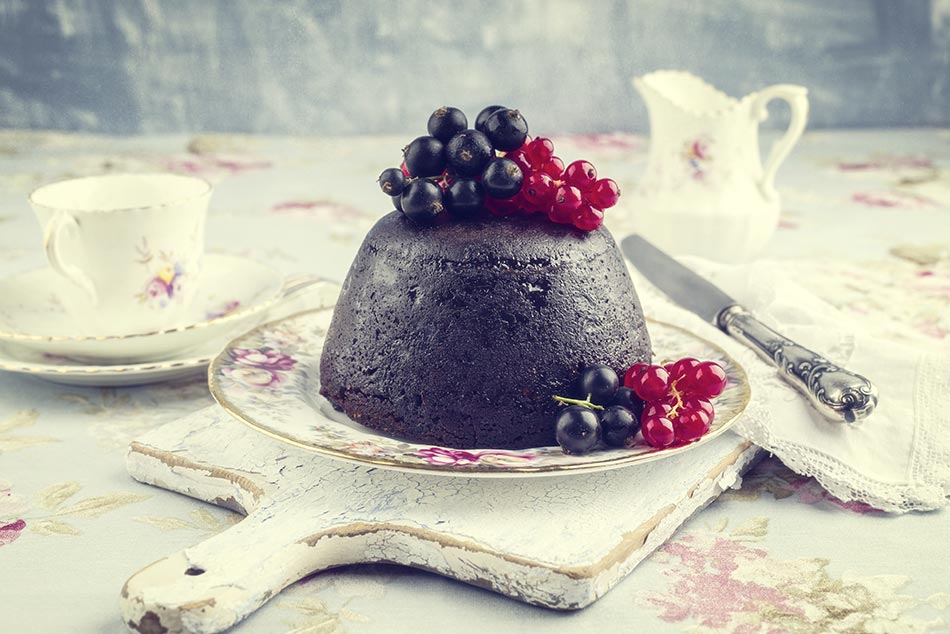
(678, 369)
(559, 216)
(581, 174)
(521, 203)
(521, 159)
(691, 425)
(699, 403)
(540, 150)
(587, 218)
(632, 373)
(604, 194)
(538, 190)
(658, 432)
(553, 168)
(566, 201)
(706, 379)
(652, 384)
(656, 408)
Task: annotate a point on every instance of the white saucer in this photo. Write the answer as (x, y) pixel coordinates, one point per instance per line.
(232, 291)
(70, 372)
(306, 292)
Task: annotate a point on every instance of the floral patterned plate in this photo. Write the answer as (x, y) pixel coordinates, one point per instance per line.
(269, 378)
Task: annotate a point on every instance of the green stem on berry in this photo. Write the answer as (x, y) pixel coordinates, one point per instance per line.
(573, 401)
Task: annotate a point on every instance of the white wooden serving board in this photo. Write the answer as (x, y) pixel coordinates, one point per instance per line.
(559, 542)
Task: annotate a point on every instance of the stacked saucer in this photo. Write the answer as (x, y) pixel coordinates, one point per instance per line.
(39, 337)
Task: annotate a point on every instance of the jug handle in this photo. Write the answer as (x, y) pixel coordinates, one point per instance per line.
(797, 99)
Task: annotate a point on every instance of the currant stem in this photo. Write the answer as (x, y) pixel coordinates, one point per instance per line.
(573, 401)
(679, 399)
(435, 179)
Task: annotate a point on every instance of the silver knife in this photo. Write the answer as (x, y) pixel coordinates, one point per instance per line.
(840, 395)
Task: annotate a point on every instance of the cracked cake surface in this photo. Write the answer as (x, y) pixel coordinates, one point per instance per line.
(459, 334)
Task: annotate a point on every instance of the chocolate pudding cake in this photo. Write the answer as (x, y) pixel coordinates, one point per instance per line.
(458, 333)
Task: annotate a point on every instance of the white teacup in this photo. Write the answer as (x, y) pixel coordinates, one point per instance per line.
(130, 244)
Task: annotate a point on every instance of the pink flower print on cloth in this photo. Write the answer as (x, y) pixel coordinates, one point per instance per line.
(721, 583)
(10, 532)
(11, 508)
(260, 367)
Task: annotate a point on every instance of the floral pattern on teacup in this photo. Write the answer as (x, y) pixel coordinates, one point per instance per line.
(165, 283)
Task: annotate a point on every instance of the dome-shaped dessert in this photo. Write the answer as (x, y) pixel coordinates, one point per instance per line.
(459, 334)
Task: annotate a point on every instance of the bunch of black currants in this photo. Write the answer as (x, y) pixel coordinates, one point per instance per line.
(603, 410)
(454, 168)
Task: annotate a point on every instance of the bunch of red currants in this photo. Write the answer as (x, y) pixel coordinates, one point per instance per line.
(677, 399)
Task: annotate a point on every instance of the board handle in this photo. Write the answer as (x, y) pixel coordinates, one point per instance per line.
(210, 587)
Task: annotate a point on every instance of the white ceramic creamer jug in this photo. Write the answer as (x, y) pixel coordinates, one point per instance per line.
(705, 191)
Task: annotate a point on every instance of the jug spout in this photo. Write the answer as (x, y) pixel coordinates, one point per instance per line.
(683, 92)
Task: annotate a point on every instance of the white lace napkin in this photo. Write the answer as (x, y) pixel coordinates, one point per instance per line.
(897, 460)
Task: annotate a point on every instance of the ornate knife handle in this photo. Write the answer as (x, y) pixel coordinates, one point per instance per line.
(838, 394)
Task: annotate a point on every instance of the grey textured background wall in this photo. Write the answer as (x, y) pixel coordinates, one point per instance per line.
(344, 67)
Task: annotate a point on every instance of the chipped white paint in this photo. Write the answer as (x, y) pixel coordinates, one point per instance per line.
(559, 542)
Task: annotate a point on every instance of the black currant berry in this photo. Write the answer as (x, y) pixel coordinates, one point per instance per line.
(626, 397)
(422, 201)
(468, 152)
(577, 429)
(392, 181)
(506, 129)
(397, 202)
(482, 117)
(446, 122)
(464, 197)
(619, 426)
(425, 156)
(502, 178)
(600, 382)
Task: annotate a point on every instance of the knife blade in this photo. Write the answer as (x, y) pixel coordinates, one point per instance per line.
(840, 395)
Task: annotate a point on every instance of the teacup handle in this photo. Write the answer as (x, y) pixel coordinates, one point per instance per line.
(797, 98)
(56, 230)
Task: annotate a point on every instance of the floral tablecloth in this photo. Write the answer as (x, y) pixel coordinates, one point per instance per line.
(866, 226)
